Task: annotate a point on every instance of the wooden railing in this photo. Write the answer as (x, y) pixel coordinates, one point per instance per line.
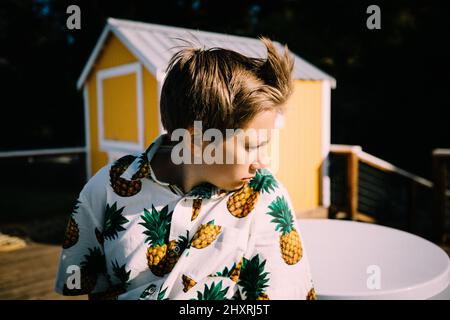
(42, 152)
(366, 188)
(39, 190)
(441, 198)
(33, 160)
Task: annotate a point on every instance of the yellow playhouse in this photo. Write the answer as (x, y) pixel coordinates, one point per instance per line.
(122, 81)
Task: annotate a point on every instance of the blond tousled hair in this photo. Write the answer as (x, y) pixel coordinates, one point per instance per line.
(222, 88)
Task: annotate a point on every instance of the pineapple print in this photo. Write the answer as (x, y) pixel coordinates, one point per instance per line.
(232, 273)
(91, 267)
(290, 244)
(205, 235)
(162, 294)
(311, 294)
(203, 191)
(188, 282)
(113, 293)
(157, 225)
(253, 279)
(99, 236)
(225, 272)
(123, 187)
(196, 206)
(72, 231)
(236, 272)
(215, 292)
(242, 202)
(144, 167)
(236, 296)
(112, 225)
(150, 290)
(174, 252)
(263, 296)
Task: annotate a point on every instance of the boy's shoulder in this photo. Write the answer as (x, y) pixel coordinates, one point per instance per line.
(274, 206)
(270, 188)
(267, 183)
(96, 186)
(120, 174)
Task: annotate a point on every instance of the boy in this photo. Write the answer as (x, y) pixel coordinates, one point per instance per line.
(166, 226)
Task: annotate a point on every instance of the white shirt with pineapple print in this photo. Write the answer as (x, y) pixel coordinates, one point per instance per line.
(131, 236)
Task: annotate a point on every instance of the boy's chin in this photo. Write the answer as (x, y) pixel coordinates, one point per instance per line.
(235, 186)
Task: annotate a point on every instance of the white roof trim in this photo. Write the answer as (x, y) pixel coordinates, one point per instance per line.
(93, 56)
(98, 47)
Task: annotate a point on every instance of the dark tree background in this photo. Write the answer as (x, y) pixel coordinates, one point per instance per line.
(391, 96)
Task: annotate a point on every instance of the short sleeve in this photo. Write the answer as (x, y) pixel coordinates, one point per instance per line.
(275, 265)
(82, 268)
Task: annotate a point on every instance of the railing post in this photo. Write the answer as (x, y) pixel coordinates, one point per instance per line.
(439, 176)
(352, 170)
(83, 165)
(412, 212)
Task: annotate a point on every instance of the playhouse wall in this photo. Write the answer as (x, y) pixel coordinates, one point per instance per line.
(300, 145)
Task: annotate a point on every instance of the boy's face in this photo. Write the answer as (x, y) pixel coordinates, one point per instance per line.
(250, 153)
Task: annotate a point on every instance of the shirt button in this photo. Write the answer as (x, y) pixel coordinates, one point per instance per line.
(152, 290)
(148, 293)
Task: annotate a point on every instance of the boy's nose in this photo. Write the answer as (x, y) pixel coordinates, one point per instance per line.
(257, 165)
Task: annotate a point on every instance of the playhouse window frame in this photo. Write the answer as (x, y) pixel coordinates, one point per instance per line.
(118, 145)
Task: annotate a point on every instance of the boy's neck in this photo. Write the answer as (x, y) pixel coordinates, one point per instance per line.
(165, 170)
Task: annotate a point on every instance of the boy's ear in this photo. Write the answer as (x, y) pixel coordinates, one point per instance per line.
(196, 136)
(196, 145)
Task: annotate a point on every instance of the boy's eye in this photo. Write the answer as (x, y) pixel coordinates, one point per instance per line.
(253, 147)
(247, 147)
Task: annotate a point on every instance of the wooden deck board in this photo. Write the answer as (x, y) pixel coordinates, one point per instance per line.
(317, 213)
(29, 273)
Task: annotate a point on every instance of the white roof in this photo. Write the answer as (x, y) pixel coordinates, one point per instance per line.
(154, 45)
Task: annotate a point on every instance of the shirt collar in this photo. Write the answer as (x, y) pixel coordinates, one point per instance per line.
(201, 191)
(206, 191)
(131, 173)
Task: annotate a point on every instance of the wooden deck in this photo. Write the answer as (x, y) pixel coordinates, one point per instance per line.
(29, 273)
(318, 213)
